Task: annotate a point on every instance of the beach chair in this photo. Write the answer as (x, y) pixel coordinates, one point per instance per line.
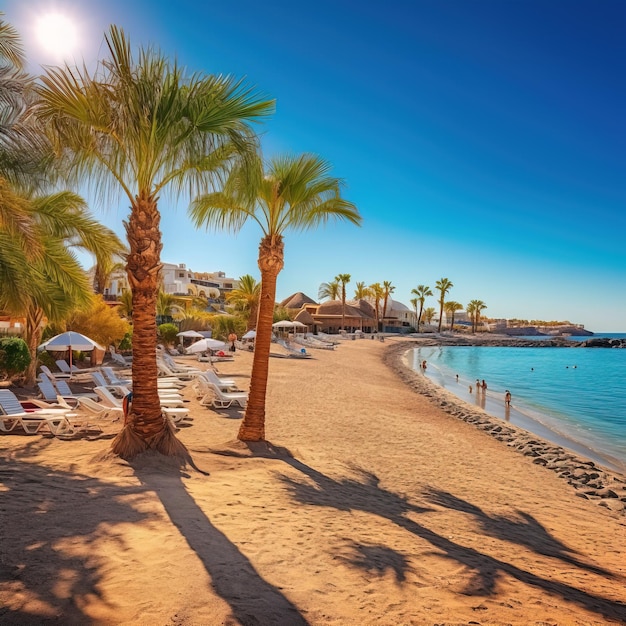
(65, 368)
(99, 409)
(65, 391)
(49, 393)
(57, 421)
(58, 375)
(178, 367)
(225, 384)
(174, 413)
(165, 370)
(112, 378)
(218, 399)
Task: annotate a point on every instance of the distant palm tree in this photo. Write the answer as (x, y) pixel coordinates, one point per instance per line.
(361, 292)
(429, 314)
(245, 299)
(422, 292)
(388, 290)
(474, 309)
(451, 308)
(143, 127)
(329, 291)
(289, 193)
(343, 280)
(443, 285)
(377, 293)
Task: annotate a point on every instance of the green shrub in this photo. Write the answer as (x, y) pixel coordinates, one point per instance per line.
(167, 333)
(14, 356)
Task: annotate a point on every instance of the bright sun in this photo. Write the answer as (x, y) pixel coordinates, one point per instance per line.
(57, 34)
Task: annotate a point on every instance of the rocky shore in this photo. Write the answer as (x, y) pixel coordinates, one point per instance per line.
(590, 481)
(517, 342)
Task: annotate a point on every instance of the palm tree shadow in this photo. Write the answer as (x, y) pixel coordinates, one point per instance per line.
(59, 570)
(525, 530)
(348, 494)
(233, 576)
(377, 559)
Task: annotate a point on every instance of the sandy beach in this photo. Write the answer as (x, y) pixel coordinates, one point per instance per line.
(379, 500)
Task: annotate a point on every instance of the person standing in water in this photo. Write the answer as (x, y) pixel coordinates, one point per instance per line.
(507, 398)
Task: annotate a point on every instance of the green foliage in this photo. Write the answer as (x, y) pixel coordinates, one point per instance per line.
(127, 342)
(167, 333)
(14, 356)
(223, 325)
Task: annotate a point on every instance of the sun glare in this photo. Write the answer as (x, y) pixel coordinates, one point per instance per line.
(57, 34)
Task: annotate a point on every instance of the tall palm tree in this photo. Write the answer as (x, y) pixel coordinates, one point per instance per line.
(388, 289)
(422, 292)
(361, 292)
(290, 193)
(451, 308)
(474, 309)
(443, 285)
(329, 291)
(245, 299)
(343, 280)
(143, 127)
(377, 293)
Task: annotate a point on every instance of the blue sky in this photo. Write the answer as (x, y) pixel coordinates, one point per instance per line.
(482, 140)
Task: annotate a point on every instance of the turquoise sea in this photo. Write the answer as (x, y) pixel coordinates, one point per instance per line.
(575, 397)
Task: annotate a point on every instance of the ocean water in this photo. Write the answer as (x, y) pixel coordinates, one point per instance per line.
(575, 397)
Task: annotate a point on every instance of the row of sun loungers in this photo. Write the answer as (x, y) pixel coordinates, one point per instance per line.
(62, 411)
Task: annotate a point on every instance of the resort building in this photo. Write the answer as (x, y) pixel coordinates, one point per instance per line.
(332, 316)
(177, 280)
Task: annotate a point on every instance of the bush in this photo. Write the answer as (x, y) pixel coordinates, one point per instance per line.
(14, 356)
(167, 333)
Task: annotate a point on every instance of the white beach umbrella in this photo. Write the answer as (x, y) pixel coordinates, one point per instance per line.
(251, 334)
(70, 340)
(203, 345)
(283, 324)
(190, 333)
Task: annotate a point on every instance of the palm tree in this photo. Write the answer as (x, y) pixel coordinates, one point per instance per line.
(422, 292)
(388, 289)
(245, 299)
(144, 128)
(361, 292)
(429, 314)
(343, 280)
(474, 309)
(290, 193)
(443, 285)
(329, 291)
(451, 308)
(377, 293)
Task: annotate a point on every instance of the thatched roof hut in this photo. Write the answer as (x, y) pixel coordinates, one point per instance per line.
(296, 301)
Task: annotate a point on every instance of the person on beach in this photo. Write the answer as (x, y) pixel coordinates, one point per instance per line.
(457, 378)
(232, 338)
(484, 385)
(478, 385)
(470, 389)
(424, 365)
(507, 398)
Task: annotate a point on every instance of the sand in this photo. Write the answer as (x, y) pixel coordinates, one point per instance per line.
(372, 504)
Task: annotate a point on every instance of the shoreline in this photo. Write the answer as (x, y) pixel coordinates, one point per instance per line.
(592, 479)
(525, 418)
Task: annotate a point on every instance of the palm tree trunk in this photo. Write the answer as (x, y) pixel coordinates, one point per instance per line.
(34, 330)
(271, 261)
(145, 427)
(419, 317)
